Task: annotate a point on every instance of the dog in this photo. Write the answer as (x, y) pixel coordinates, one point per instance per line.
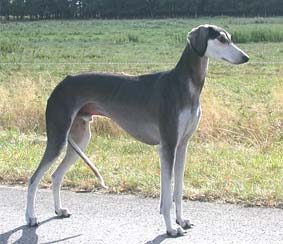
(157, 109)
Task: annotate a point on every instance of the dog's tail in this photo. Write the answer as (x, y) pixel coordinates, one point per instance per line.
(87, 161)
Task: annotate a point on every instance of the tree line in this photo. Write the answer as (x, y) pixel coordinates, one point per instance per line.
(61, 9)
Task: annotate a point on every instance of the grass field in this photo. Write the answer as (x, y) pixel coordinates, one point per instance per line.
(236, 154)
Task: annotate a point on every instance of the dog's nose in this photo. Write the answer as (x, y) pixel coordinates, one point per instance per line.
(245, 58)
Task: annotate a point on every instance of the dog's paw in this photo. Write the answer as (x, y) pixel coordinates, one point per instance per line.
(176, 232)
(185, 224)
(63, 212)
(32, 222)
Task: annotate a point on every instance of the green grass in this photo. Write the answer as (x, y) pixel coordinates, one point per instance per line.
(233, 173)
(235, 154)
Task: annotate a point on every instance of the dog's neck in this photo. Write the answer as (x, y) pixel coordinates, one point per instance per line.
(192, 68)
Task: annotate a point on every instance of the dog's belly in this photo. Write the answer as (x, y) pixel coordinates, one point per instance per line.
(145, 132)
(135, 124)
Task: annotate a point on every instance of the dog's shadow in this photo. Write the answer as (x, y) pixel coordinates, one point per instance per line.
(158, 239)
(29, 235)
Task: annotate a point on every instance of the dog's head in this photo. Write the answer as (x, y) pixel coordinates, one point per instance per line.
(215, 42)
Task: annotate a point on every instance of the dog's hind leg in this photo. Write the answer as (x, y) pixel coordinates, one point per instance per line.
(52, 151)
(80, 133)
(58, 124)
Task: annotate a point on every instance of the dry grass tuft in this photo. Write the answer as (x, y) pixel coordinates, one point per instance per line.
(23, 101)
(216, 117)
(103, 125)
(22, 105)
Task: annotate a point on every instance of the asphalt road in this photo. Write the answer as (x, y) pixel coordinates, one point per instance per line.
(114, 219)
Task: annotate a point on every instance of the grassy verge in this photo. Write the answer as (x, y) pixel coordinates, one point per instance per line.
(233, 173)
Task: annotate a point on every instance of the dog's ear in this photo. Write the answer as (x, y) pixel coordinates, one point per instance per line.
(198, 38)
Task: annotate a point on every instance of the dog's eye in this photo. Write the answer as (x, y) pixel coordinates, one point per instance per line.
(222, 39)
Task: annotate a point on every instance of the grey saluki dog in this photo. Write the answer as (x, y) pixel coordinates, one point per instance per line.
(158, 109)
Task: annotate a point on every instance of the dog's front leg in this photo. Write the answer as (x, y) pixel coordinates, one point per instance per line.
(167, 157)
(179, 169)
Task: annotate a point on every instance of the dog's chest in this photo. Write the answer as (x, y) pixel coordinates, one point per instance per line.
(187, 122)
